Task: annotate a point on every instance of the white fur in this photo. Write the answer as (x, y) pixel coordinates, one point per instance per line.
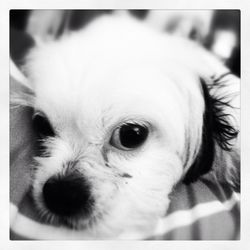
(88, 83)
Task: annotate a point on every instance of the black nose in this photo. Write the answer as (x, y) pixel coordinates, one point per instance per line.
(67, 195)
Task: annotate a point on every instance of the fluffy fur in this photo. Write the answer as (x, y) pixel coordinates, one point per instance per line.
(118, 70)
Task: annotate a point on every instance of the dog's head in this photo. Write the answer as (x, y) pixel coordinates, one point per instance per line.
(122, 114)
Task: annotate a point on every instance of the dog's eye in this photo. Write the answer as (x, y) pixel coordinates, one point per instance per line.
(129, 136)
(42, 125)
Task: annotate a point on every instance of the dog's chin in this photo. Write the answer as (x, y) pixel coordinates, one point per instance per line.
(105, 226)
(87, 225)
(109, 223)
(122, 221)
(79, 223)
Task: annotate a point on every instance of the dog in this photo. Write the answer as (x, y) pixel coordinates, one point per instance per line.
(123, 113)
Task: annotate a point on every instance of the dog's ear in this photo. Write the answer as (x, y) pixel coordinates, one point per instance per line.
(217, 131)
(21, 94)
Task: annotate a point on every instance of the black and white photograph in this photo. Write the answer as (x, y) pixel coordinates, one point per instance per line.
(124, 124)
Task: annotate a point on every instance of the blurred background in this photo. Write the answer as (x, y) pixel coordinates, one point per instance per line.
(216, 30)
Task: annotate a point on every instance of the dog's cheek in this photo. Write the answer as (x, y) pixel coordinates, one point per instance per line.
(103, 193)
(155, 163)
(144, 196)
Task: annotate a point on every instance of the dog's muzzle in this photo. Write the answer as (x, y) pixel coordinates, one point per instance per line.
(68, 195)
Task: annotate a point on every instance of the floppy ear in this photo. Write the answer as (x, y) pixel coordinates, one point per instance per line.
(217, 132)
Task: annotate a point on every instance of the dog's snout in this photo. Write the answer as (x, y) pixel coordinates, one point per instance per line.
(67, 195)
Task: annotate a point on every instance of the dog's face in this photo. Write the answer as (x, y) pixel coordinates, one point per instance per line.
(119, 125)
(122, 138)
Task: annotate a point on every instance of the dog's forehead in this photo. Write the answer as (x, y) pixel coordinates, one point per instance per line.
(85, 75)
(129, 84)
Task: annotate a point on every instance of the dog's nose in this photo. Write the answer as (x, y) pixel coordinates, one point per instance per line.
(67, 195)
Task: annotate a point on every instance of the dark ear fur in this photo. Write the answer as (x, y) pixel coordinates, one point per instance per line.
(216, 129)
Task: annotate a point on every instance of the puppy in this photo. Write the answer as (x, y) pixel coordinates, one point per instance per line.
(122, 114)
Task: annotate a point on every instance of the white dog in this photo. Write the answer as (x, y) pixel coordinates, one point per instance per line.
(123, 113)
